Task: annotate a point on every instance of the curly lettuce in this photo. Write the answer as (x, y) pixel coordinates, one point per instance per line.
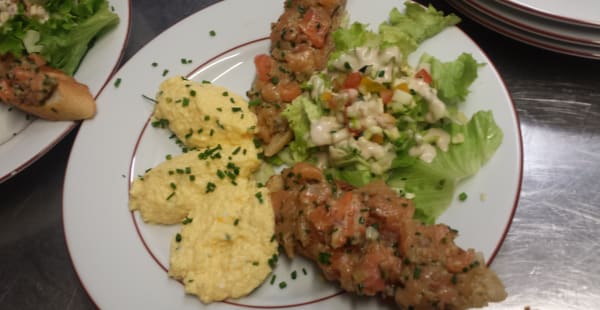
(405, 30)
(64, 38)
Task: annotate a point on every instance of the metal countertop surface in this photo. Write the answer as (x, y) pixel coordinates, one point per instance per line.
(550, 258)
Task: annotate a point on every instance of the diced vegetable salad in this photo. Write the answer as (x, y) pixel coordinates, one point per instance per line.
(370, 115)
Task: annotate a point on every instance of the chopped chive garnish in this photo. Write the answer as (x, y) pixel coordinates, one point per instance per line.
(417, 272)
(210, 187)
(254, 102)
(324, 258)
(149, 98)
(259, 196)
(171, 196)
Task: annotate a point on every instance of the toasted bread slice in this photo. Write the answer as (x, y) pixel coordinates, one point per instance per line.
(70, 100)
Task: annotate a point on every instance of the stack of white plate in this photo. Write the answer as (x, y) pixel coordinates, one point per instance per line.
(564, 26)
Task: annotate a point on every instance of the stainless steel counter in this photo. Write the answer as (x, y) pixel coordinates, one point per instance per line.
(549, 260)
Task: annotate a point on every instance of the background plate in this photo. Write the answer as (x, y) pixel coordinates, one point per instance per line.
(580, 12)
(22, 141)
(525, 36)
(541, 26)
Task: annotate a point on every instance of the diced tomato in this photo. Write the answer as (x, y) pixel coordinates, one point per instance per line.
(315, 24)
(353, 80)
(424, 75)
(263, 63)
(386, 95)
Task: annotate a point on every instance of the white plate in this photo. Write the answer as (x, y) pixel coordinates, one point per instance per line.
(526, 37)
(122, 261)
(538, 25)
(580, 12)
(23, 140)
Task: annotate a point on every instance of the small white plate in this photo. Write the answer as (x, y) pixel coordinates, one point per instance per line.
(526, 37)
(580, 12)
(122, 262)
(541, 26)
(24, 139)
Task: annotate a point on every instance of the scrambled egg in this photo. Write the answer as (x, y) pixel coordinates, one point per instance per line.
(169, 191)
(224, 249)
(225, 242)
(203, 114)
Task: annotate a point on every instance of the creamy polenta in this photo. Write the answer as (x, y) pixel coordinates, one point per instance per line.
(227, 221)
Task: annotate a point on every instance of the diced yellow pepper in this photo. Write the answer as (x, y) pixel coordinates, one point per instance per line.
(403, 87)
(326, 96)
(371, 86)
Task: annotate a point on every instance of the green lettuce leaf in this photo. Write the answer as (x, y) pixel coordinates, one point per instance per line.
(407, 30)
(421, 23)
(65, 37)
(355, 177)
(299, 115)
(64, 45)
(452, 79)
(356, 35)
(433, 183)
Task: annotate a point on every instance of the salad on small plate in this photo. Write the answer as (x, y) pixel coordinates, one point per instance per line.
(82, 39)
